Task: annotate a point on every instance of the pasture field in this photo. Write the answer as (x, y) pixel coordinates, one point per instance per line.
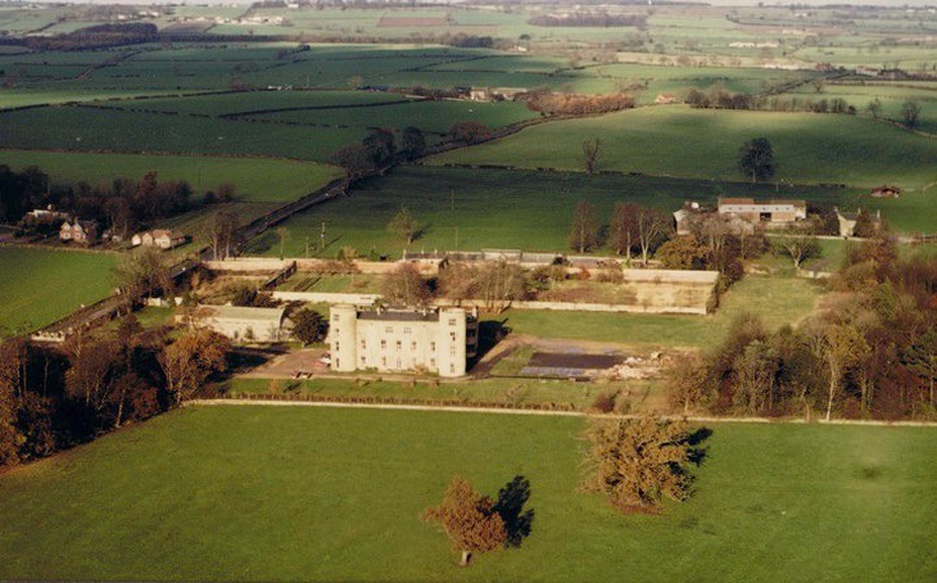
(470, 209)
(776, 300)
(891, 96)
(311, 134)
(683, 142)
(255, 179)
(290, 494)
(39, 286)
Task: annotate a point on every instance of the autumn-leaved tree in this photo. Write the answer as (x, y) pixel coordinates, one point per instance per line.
(189, 361)
(403, 225)
(469, 519)
(640, 461)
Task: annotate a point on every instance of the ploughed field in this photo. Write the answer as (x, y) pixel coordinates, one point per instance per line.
(278, 493)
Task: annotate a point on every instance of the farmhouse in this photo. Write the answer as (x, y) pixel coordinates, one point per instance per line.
(85, 232)
(431, 340)
(245, 323)
(776, 212)
(162, 238)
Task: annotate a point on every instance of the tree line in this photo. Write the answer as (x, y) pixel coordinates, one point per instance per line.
(123, 205)
(54, 397)
(871, 352)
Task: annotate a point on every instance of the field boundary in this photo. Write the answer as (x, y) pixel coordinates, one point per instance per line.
(377, 403)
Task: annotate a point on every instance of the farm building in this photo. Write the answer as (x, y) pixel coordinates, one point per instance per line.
(245, 323)
(162, 238)
(847, 221)
(85, 232)
(885, 191)
(779, 212)
(431, 340)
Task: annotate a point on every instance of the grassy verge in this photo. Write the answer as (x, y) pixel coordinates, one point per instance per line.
(498, 392)
(299, 494)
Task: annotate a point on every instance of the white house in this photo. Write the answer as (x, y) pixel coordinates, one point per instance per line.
(402, 340)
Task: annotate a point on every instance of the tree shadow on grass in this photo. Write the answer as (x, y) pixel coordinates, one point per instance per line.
(518, 522)
(696, 452)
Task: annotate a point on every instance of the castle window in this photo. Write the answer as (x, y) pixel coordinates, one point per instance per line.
(383, 344)
(452, 321)
(408, 330)
(399, 345)
(388, 329)
(432, 346)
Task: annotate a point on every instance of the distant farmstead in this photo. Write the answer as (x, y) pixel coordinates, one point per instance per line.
(777, 212)
(84, 232)
(162, 238)
(402, 340)
(885, 191)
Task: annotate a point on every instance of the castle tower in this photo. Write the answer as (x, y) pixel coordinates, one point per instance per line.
(451, 342)
(343, 329)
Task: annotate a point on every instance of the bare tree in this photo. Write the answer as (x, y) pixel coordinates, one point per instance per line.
(910, 110)
(797, 247)
(623, 228)
(221, 230)
(590, 153)
(406, 286)
(652, 228)
(584, 232)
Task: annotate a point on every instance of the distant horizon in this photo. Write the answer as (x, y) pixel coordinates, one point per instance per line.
(717, 3)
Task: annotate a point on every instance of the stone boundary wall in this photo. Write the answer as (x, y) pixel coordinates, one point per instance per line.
(369, 299)
(326, 297)
(248, 264)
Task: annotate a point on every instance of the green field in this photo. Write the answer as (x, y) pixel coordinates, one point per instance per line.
(679, 141)
(470, 209)
(682, 142)
(40, 286)
(255, 179)
(777, 301)
(311, 134)
(272, 493)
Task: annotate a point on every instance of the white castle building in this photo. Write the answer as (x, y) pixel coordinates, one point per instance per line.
(390, 340)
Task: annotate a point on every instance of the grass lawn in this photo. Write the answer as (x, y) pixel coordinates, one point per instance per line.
(301, 494)
(776, 300)
(40, 286)
(255, 179)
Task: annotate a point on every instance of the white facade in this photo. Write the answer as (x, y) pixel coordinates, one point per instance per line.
(435, 341)
(783, 211)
